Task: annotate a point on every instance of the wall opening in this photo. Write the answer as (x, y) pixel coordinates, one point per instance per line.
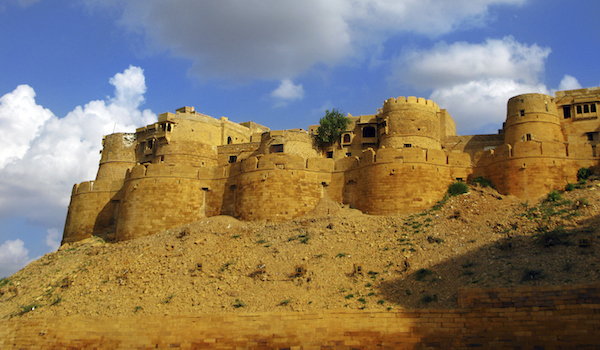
(276, 148)
(567, 112)
(368, 131)
(229, 140)
(232, 159)
(528, 137)
(346, 138)
(329, 154)
(407, 145)
(522, 112)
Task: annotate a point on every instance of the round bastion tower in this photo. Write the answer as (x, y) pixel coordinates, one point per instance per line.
(410, 122)
(118, 156)
(532, 117)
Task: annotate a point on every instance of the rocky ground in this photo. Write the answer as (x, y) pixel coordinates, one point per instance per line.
(332, 258)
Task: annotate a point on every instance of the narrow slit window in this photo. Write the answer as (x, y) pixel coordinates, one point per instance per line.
(579, 110)
(586, 108)
(593, 108)
(567, 112)
(528, 137)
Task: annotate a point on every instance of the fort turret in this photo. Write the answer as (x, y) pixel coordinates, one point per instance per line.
(118, 156)
(410, 122)
(532, 117)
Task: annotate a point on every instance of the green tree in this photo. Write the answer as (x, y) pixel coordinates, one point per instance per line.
(331, 127)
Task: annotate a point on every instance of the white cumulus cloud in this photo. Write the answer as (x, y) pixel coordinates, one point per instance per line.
(473, 81)
(569, 82)
(13, 257)
(49, 154)
(273, 39)
(288, 91)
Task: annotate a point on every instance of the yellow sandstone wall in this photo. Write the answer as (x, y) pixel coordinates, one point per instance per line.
(394, 181)
(156, 197)
(118, 156)
(563, 317)
(91, 210)
(410, 120)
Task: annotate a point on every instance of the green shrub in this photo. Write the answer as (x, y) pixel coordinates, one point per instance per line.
(583, 174)
(238, 303)
(569, 187)
(457, 188)
(483, 182)
(553, 196)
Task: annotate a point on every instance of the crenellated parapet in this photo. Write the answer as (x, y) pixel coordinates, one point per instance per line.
(188, 166)
(410, 122)
(406, 102)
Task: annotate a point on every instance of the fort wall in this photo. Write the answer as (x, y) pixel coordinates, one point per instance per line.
(410, 120)
(527, 317)
(531, 169)
(91, 210)
(532, 117)
(118, 156)
(394, 181)
(156, 197)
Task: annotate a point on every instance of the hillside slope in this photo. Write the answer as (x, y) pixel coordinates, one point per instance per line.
(220, 264)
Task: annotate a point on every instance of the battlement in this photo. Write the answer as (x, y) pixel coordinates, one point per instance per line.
(189, 165)
(97, 186)
(404, 102)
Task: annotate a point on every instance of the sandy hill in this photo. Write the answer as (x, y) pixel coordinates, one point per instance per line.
(479, 239)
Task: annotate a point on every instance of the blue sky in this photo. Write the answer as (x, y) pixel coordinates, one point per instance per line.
(74, 70)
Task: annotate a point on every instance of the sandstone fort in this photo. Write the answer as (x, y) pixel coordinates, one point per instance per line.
(188, 165)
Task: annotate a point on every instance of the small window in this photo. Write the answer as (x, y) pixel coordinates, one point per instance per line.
(349, 154)
(276, 148)
(330, 154)
(586, 108)
(229, 140)
(528, 137)
(150, 144)
(346, 138)
(168, 127)
(232, 159)
(590, 136)
(407, 145)
(567, 111)
(593, 108)
(522, 112)
(368, 131)
(579, 110)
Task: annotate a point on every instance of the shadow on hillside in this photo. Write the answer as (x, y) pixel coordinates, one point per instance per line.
(545, 257)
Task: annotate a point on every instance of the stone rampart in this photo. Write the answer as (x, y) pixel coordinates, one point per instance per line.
(517, 318)
(410, 122)
(91, 210)
(156, 197)
(531, 169)
(394, 181)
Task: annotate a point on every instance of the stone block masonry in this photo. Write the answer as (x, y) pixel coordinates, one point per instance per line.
(188, 166)
(562, 317)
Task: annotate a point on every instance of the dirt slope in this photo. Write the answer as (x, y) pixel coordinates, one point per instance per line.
(221, 264)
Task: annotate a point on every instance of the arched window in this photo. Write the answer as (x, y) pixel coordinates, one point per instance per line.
(229, 140)
(346, 138)
(368, 131)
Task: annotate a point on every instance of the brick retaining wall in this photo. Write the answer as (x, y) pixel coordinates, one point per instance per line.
(490, 318)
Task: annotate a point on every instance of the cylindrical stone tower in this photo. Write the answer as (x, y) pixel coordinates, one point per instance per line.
(532, 117)
(410, 122)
